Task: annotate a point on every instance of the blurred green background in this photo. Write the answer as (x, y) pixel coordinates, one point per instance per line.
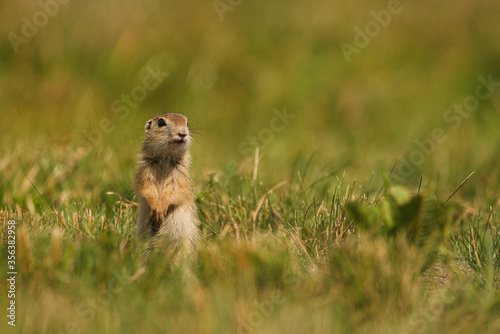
(228, 76)
(75, 93)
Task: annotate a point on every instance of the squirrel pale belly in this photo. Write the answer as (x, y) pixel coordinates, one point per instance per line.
(167, 213)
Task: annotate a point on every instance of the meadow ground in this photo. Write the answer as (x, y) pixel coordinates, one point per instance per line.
(367, 117)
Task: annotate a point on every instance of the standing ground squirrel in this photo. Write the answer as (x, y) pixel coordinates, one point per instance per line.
(167, 213)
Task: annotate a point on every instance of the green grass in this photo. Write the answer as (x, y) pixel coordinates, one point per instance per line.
(324, 234)
(291, 259)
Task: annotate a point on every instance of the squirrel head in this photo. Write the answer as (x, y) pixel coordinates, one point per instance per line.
(167, 135)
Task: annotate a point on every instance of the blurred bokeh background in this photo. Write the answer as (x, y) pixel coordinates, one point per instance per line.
(69, 134)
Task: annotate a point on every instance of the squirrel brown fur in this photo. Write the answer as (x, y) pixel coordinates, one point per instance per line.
(167, 212)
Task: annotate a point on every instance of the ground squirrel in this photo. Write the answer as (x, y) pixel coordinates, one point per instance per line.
(167, 213)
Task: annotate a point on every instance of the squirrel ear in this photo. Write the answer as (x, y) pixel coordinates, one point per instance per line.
(147, 127)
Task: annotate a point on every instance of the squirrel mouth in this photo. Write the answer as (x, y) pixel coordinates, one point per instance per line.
(179, 141)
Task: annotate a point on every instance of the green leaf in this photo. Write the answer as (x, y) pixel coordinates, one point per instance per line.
(400, 194)
(411, 213)
(360, 214)
(388, 211)
(428, 230)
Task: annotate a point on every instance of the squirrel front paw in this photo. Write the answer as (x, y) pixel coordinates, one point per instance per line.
(158, 215)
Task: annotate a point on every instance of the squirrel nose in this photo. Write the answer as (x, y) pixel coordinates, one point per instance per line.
(182, 132)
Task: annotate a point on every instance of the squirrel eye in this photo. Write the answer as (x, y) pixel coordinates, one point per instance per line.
(161, 122)
(187, 123)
